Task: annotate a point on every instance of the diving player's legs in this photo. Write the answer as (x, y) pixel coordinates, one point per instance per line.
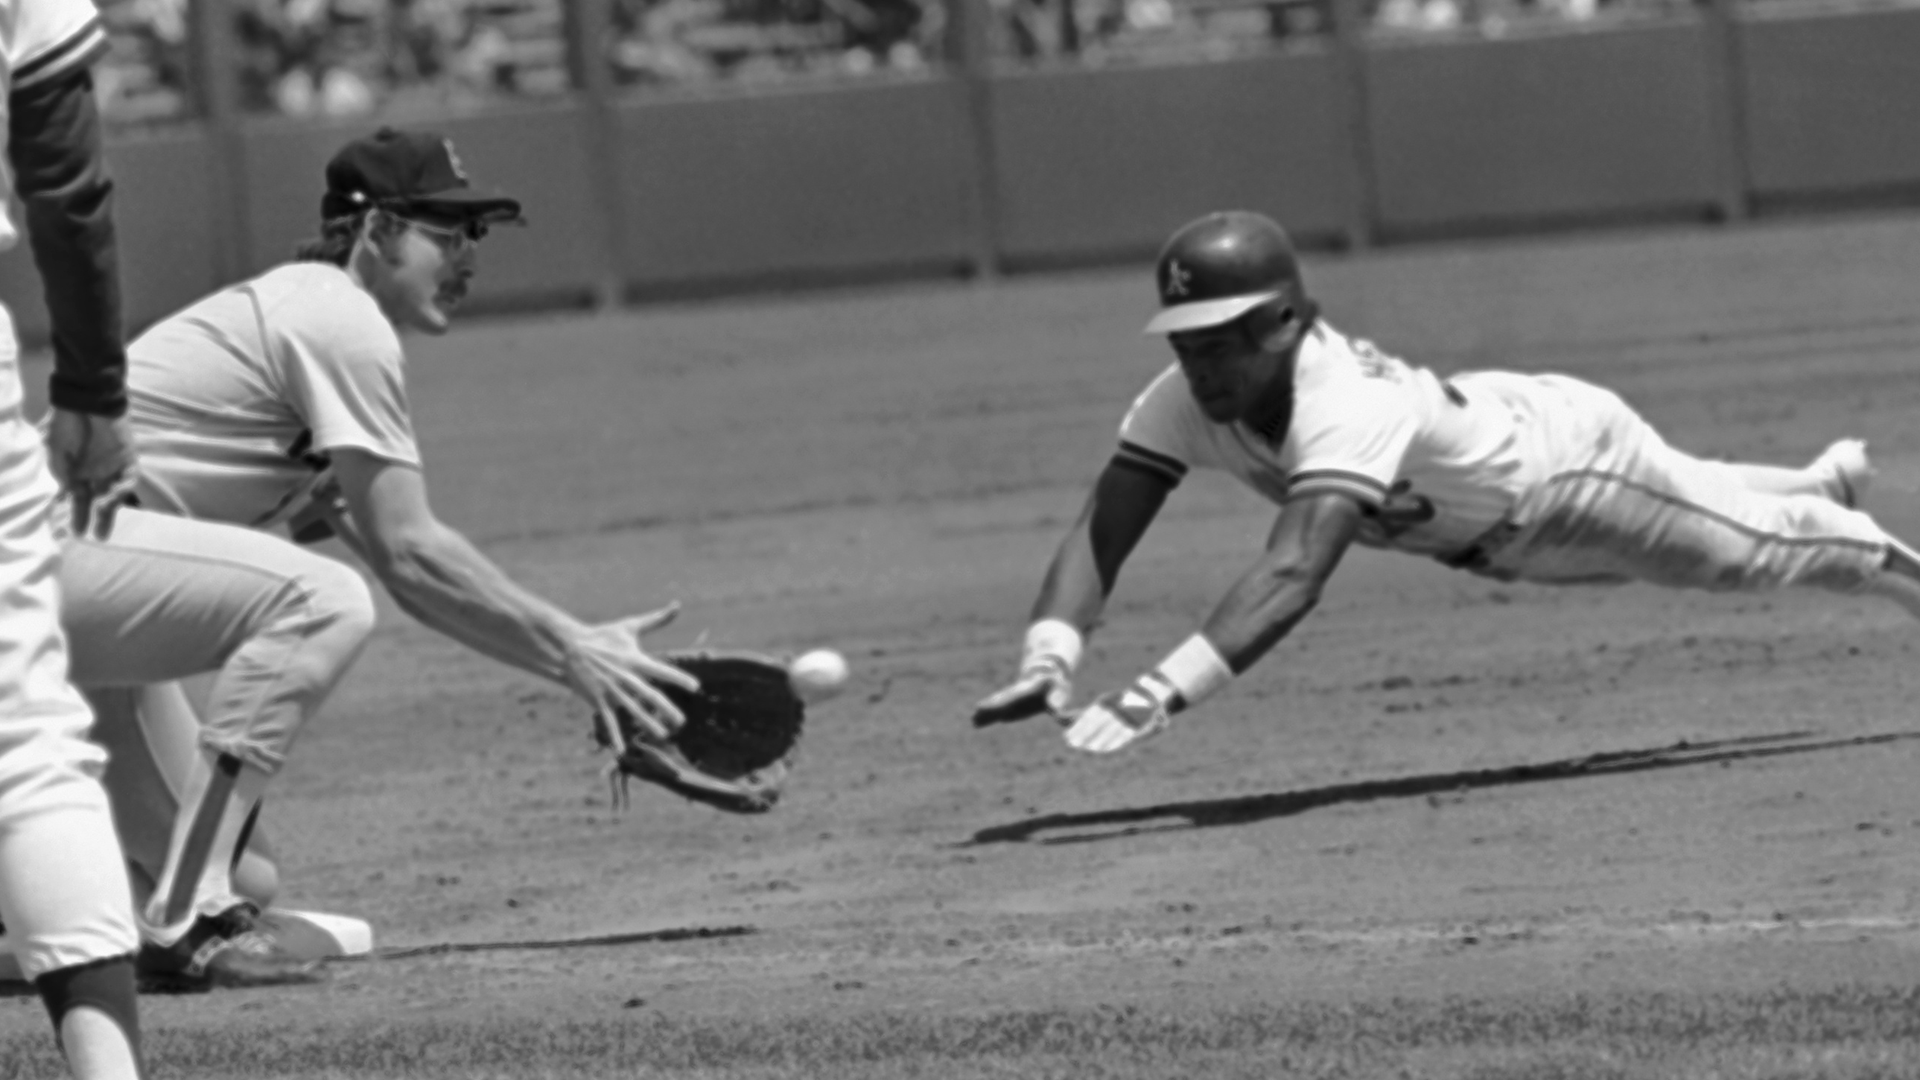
(1699, 531)
(1619, 503)
(169, 597)
(1899, 580)
(1841, 473)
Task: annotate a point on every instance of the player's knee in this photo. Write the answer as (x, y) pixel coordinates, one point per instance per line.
(343, 600)
(105, 985)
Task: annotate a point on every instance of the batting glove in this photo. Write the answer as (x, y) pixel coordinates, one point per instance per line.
(1043, 686)
(1045, 682)
(1118, 720)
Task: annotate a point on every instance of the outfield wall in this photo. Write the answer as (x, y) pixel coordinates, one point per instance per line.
(1832, 103)
(1349, 140)
(1093, 164)
(1551, 128)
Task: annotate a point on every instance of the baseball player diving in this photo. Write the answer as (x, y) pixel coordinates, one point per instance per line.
(1538, 478)
(280, 403)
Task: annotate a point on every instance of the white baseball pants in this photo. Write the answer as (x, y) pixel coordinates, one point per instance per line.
(1617, 503)
(63, 886)
(169, 597)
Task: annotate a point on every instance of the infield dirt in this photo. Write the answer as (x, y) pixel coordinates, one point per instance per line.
(1440, 789)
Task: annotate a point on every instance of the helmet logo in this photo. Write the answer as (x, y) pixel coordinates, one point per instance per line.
(1178, 278)
(453, 161)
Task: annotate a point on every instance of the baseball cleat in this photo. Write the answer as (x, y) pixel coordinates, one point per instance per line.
(1848, 471)
(230, 950)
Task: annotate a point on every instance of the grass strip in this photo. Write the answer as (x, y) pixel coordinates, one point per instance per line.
(1841, 1033)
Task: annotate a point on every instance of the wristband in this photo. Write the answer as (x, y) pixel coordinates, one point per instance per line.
(1195, 670)
(1052, 640)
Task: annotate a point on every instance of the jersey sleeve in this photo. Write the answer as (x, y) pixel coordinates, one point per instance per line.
(9, 43)
(53, 38)
(1351, 436)
(346, 379)
(1157, 436)
(60, 176)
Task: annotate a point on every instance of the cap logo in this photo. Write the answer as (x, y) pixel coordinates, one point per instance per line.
(454, 163)
(1178, 278)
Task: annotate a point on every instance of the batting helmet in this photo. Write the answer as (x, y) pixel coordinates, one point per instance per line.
(1220, 267)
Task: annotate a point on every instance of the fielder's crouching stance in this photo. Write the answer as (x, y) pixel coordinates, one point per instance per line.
(280, 403)
(1521, 477)
(276, 626)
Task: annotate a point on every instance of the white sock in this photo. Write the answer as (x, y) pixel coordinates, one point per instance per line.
(1897, 580)
(197, 878)
(95, 1046)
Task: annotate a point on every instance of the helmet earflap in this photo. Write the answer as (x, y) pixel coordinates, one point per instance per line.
(1279, 325)
(1269, 320)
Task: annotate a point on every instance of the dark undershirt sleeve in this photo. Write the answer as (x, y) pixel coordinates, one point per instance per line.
(1166, 467)
(54, 144)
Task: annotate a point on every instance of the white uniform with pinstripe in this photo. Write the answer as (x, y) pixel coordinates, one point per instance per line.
(63, 887)
(1528, 477)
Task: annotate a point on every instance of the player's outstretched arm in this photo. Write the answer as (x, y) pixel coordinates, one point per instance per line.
(1263, 606)
(436, 575)
(1309, 539)
(1122, 505)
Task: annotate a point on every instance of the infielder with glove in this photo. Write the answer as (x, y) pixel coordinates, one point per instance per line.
(280, 402)
(1538, 478)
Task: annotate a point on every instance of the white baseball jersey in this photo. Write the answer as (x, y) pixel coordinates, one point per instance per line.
(51, 37)
(239, 399)
(43, 39)
(1437, 462)
(1537, 477)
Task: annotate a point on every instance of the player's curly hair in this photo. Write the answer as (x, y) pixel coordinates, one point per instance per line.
(338, 235)
(335, 242)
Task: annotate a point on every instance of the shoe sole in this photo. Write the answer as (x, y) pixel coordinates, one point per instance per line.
(155, 983)
(162, 983)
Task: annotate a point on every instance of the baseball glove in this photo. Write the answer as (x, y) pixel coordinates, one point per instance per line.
(734, 752)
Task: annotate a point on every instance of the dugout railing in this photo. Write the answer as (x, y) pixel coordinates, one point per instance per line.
(1015, 134)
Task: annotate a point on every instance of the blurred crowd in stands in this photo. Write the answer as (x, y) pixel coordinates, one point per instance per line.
(354, 57)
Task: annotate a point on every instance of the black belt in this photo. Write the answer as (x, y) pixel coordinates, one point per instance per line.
(1479, 554)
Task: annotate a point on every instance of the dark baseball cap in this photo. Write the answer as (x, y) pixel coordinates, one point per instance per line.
(409, 170)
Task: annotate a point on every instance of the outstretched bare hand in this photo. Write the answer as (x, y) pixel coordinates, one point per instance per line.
(607, 666)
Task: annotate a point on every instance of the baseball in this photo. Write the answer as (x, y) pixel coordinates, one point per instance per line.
(818, 675)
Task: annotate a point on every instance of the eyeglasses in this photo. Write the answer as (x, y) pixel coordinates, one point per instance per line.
(467, 232)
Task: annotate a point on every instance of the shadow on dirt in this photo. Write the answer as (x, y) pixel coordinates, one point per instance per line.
(1247, 809)
(11, 988)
